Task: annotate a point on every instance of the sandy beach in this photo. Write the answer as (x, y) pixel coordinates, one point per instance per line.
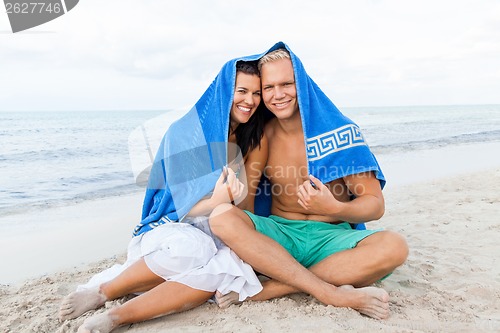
(93, 94)
(450, 282)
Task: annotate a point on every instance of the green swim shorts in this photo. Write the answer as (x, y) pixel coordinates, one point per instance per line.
(308, 241)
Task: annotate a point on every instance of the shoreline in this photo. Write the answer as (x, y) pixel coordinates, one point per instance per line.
(38, 243)
(67, 236)
(448, 284)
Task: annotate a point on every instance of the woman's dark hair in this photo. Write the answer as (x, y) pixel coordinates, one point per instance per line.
(249, 134)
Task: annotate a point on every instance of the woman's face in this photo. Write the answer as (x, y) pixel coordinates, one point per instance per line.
(246, 98)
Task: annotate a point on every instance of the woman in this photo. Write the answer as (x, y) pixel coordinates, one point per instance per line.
(176, 266)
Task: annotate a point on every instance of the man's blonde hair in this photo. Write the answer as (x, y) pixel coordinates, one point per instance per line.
(273, 56)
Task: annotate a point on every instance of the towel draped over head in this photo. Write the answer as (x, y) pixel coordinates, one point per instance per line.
(194, 149)
(191, 154)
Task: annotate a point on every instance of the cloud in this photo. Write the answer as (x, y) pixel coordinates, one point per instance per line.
(159, 54)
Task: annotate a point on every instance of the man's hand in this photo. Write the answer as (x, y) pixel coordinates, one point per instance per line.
(314, 196)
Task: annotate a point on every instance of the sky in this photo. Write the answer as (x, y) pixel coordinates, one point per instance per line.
(160, 55)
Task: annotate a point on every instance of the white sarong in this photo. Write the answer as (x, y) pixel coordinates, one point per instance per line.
(183, 253)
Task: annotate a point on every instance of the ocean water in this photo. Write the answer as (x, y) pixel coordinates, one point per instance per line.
(55, 158)
(394, 129)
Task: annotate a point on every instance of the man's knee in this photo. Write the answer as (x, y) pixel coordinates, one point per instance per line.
(224, 220)
(396, 248)
(388, 248)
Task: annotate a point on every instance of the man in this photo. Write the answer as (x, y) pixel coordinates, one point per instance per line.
(310, 218)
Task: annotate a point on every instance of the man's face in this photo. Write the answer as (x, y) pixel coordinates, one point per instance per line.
(278, 88)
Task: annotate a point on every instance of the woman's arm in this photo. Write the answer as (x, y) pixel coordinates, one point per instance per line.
(227, 188)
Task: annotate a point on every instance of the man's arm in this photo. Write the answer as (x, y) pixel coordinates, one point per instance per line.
(368, 204)
(254, 167)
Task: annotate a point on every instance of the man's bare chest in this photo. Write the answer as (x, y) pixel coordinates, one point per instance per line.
(287, 162)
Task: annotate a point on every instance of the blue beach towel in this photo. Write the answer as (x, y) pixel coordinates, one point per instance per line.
(191, 154)
(193, 151)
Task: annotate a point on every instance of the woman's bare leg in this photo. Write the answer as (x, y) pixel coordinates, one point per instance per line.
(136, 278)
(166, 298)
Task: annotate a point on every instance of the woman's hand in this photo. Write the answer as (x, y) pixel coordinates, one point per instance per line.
(228, 188)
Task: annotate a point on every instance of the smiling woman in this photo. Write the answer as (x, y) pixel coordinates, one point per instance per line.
(174, 252)
(246, 97)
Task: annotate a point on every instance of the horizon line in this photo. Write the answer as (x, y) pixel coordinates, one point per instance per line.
(172, 109)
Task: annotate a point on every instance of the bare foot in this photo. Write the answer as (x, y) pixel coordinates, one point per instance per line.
(101, 323)
(80, 302)
(370, 301)
(225, 301)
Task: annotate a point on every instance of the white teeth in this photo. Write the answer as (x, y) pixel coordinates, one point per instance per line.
(281, 104)
(244, 109)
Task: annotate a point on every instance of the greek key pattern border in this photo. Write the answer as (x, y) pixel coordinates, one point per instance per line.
(341, 138)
